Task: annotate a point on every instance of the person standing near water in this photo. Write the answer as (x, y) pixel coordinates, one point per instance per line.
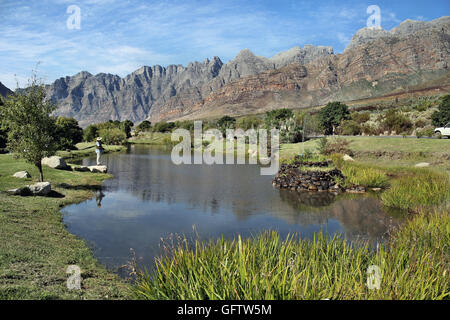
(99, 150)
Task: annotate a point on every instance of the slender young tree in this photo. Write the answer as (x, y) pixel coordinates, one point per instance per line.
(31, 128)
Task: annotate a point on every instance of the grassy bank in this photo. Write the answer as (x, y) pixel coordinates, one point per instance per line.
(408, 150)
(35, 247)
(413, 266)
(151, 138)
(86, 149)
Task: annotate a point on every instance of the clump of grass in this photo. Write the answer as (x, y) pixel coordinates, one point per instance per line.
(366, 177)
(359, 175)
(265, 267)
(423, 189)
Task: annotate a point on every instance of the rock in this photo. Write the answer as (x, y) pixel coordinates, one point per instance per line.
(40, 188)
(22, 175)
(55, 162)
(98, 169)
(24, 191)
(348, 158)
(422, 165)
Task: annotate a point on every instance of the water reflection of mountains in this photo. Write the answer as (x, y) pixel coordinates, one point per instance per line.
(240, 189)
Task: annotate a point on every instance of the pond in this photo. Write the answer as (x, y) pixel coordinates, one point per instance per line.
(150, 199)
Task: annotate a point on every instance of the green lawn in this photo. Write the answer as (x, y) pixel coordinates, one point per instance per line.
(153, 138)
(409, 151)
(35, 247)
(86, 149)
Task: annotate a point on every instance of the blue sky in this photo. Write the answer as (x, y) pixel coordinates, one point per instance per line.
(120, 36)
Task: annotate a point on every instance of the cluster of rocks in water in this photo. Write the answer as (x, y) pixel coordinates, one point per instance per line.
(44, 188)
(292, 177)
(56, 162)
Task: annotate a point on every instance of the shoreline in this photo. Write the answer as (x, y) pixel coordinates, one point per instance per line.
(36, 248)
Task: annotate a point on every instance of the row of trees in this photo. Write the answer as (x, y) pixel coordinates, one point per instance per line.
(112, 132)
(28, 128)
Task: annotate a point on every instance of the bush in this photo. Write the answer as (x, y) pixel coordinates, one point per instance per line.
(337, 145)
(420, 123)
(126, 127)
(68, 132)
(394, 121)
(349, 128)
(163, 126)
(248, 122)
(361, 117)
(90, 133)
(113, 136)
(144, 126)
(322, 145)
(370, 130)
(442, 116)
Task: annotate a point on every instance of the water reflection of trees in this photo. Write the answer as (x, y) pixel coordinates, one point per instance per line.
(360, 216)
(240, 189)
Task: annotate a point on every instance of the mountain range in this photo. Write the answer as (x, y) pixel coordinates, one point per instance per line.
(376, 62)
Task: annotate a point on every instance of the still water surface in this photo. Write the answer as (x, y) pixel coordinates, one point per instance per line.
(150, 199)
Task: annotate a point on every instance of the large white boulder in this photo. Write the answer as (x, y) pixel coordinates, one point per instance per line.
(422, 165)
(22, 175)
(348, 158)
(40, 188)
(98, 169)
(55, 162)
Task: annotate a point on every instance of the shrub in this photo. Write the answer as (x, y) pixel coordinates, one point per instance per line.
(337, 145)
(113, 136)
(126, 127)
(350, 128)
(442, 116)
(370, 130)
(322, 145)
(90, 133)
(144, 126)
(361, 117)
(68, 132)
(163, 126)
(248, 122)
(394, 121)
(420, 123)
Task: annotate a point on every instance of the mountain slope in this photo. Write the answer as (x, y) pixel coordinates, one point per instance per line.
(376, 62)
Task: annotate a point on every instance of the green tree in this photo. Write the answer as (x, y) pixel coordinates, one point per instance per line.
(224, 123)
(31, 128)
(90, 133)
(126, 127)
(442, 116)
(68, 132)
(3, 131)
(248, 122)
(331, 116)
(274, 119)
(144, 126)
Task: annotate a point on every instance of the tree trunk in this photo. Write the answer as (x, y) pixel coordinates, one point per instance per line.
(41, 174)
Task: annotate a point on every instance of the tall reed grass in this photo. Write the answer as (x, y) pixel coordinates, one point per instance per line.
(414, 265)
(420, 189)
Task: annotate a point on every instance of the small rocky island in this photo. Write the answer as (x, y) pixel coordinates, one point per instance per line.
(311, 176)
